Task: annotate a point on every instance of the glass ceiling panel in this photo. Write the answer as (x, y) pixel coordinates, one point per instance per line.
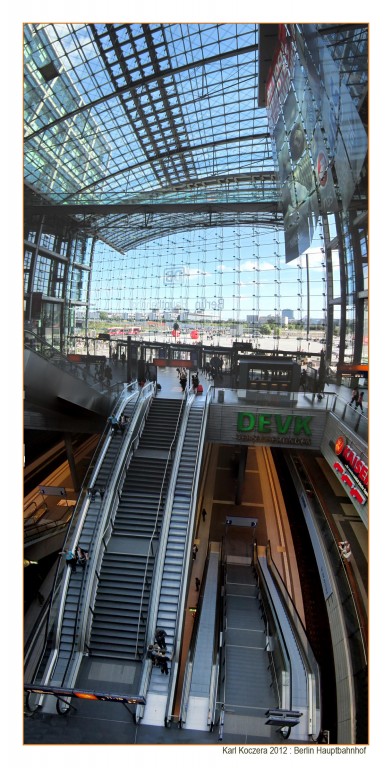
(122, 113)
(122, 125)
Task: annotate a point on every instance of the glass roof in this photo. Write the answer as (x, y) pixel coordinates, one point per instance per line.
(147, 115)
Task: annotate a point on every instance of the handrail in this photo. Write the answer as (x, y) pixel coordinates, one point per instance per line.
(309, 659)
(295, 617)
(311, 673)
(38, 530)
(167, 517)
(74, 635)
(222, 650)
(118, 475)
(33, 513)
(330, 542)
(98, 535)
(193, 648)
(282, 639)
(159, 564)
(125, 449)
(61, 577)
(54, 356)
(183, 591)
(150, 544)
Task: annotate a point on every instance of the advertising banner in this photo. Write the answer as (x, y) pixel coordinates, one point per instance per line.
(320, 142)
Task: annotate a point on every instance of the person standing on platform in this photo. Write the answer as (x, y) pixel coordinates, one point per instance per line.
(354, 397)
(359, 402)
(183, 379)
(197, 584)
(194, 552)
(203, 514)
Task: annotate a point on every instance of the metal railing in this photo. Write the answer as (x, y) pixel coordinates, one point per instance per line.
(169, 500)
(52, 355)
(51, 633)
(187, 560)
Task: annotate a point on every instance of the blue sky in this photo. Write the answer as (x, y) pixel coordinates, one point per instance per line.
(231, 273)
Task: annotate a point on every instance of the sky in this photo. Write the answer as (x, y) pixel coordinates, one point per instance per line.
(229, 273)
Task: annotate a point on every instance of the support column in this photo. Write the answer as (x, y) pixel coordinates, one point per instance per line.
(71, 461)
(241, 473)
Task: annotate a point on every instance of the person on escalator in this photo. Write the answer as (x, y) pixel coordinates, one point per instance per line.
(158, 657)
(113, 421)
(160, 635)
(70, 559)
(82, 557)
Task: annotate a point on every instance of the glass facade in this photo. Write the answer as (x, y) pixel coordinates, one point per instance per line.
(152, 174)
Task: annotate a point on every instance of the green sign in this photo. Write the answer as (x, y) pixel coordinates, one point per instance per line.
(274, 429)
(267, 423)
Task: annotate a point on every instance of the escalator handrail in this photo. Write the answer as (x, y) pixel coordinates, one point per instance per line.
(187, 558)
(61, 577)
(150, 544)
(118, 471)
(153, 610)
(71, 368)
(307, 663)
(335, 557)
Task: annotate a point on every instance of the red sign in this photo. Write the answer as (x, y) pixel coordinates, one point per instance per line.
(353, 460)
(352, 470)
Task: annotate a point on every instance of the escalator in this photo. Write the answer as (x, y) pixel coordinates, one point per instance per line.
(316, 617)
(246, 684)
(58, 394)
(175, 564)
(124, 572)
(121, 605)
(68, 592)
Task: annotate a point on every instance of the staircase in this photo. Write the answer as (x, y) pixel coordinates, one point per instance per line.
(125, 578)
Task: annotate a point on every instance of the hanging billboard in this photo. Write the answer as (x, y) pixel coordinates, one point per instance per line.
(319, 142)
